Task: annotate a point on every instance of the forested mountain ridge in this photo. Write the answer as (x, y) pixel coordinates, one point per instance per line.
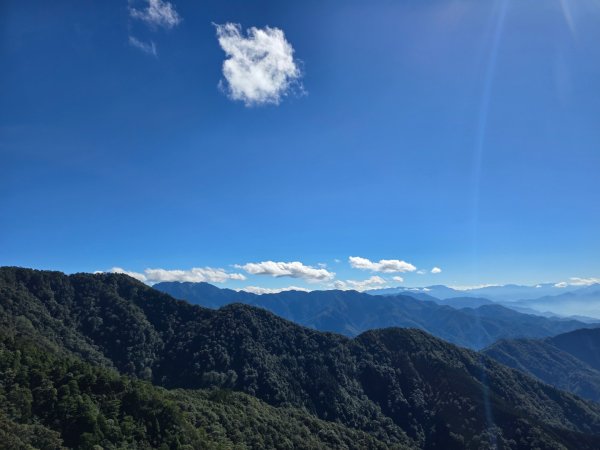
(569, 361)
(583, 344)
(540, 358)
(351, 313)
(51, 402)
(402, 387)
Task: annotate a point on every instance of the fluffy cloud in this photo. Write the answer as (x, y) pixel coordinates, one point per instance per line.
(436, 270)
(261, 290)
(384, 265)
(196, 274)
(398, 279)
(360, 285)
(293, 269)
(157, 13)
(260, 67)
(146, 47)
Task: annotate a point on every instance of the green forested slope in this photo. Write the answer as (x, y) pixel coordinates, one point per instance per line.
(51, 402)
(402, 387)
(546, 360)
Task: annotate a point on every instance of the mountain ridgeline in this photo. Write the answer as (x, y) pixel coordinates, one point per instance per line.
(351, 313)
(86, 359)
(569, 361)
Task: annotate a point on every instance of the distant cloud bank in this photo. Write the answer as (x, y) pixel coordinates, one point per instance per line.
(196, 274)
(262, 290)
(383, 266)
(293, 269)
(360, 285)
(260, 67)
(576, 281)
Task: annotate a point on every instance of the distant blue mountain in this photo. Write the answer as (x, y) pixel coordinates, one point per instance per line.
(548, 300)
(504, 293)
(351, 313)
(584, 301)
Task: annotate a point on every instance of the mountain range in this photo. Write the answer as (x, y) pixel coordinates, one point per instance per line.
(496, 293)
(585, 301)
(351, 313)
(102, 360)
(548, 299)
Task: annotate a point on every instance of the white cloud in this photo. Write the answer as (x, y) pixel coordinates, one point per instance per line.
(575, 281)
(436, 270)
(260, 67)
(146, 47)
(360, 285)
(421, 272)
(384, 265)
(398, 279)
(157, 13)
(293, 269)
(196, 274)
(262, 290)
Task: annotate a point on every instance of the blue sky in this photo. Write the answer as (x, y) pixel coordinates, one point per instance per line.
(459, 134)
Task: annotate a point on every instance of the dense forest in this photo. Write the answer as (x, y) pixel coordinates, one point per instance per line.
(351, 313)
(104, 360)
(569, 361)
(54, 402)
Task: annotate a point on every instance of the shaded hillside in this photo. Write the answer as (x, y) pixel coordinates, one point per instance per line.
(548, 363)
(582, 344)
(569, 361)
(403, 387)
(351, 313)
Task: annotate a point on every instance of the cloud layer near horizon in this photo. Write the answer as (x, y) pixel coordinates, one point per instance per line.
(360, 285)
(262, 290)
(294, 269)
(383, 266)
(577, 281)
(196, 274)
